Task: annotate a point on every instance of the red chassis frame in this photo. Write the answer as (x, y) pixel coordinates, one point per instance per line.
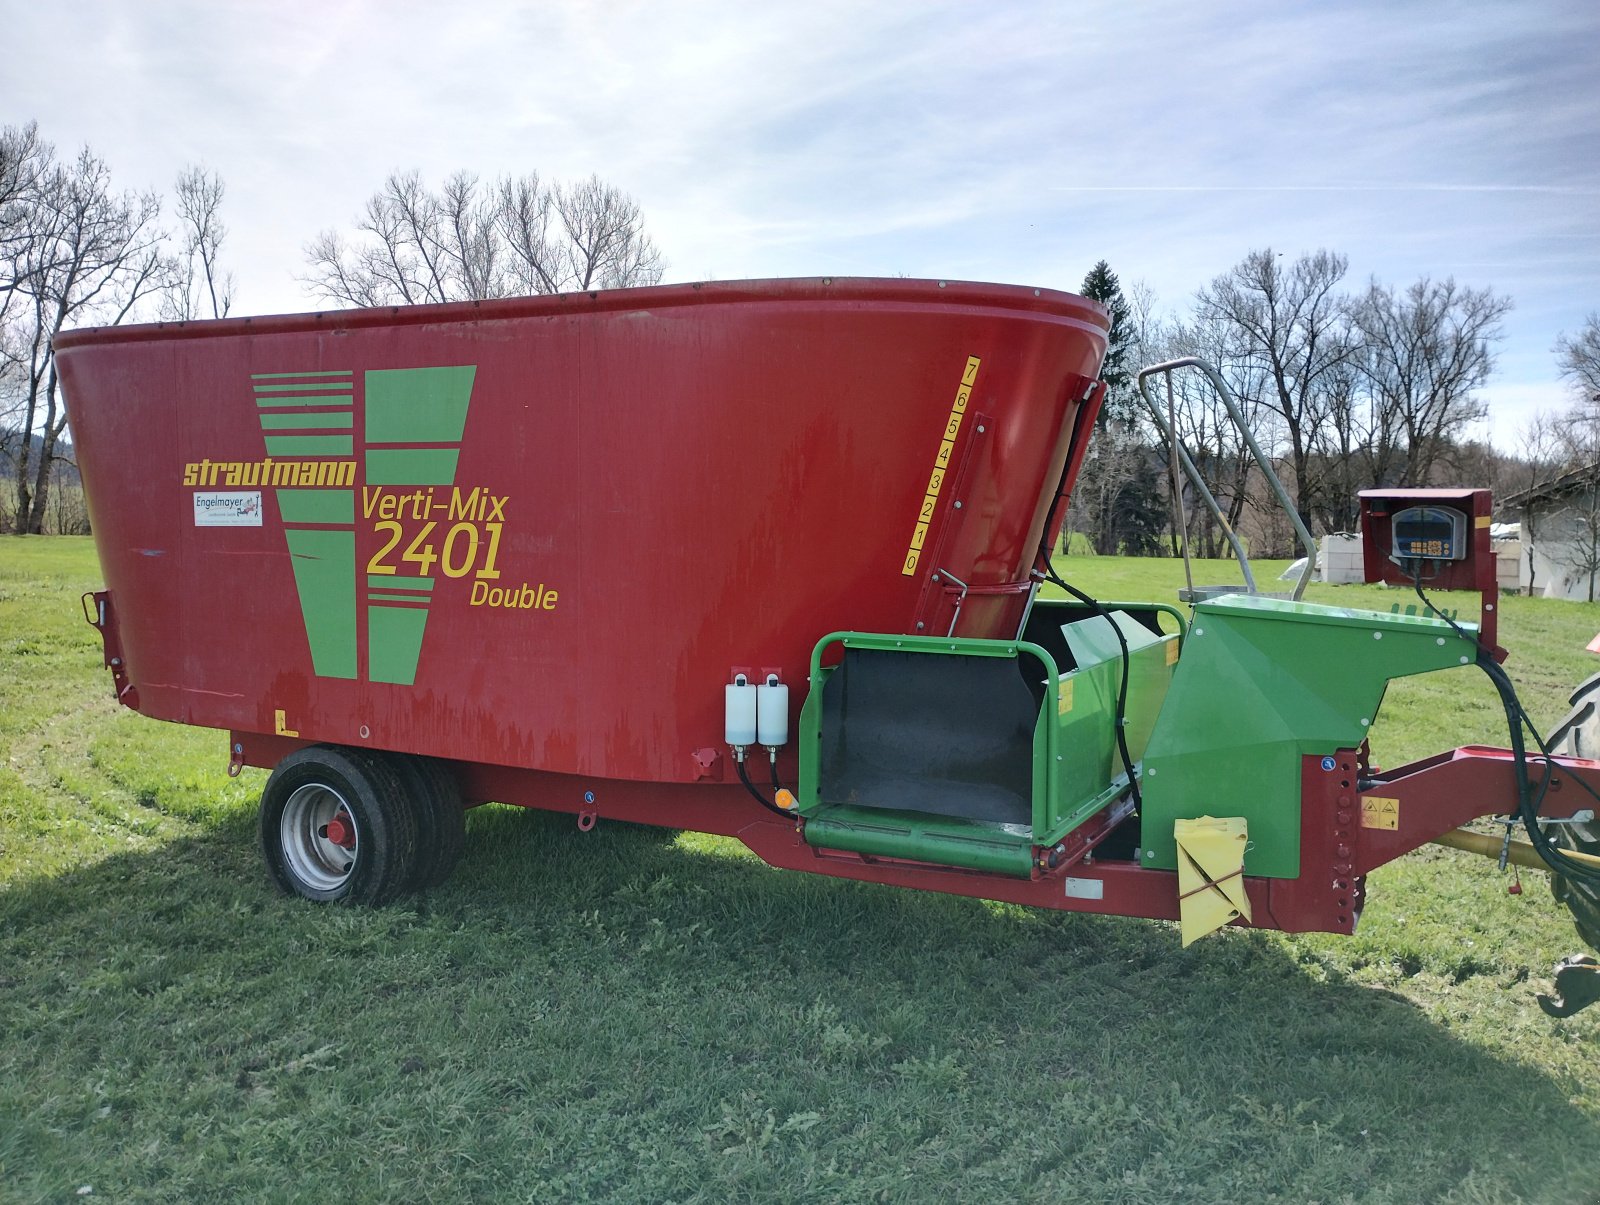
(1337, 848)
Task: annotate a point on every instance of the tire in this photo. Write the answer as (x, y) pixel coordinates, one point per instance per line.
(1578, 735)
(336, 825)
(441, 820)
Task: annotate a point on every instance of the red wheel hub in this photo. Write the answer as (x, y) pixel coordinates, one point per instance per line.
(341, 831)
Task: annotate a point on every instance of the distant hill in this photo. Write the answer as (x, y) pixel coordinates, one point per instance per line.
(66, 472)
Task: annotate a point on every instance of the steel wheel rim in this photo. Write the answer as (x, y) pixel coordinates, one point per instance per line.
(322, 864)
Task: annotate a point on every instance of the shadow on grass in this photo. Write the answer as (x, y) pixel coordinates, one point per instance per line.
(627, 1015)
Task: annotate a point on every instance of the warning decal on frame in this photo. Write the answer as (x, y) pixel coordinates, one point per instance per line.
(1378, 812)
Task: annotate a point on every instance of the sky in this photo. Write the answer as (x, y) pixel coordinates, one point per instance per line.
(1014, 142)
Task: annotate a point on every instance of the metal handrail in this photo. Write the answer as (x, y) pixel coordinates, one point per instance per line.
(1169, 431)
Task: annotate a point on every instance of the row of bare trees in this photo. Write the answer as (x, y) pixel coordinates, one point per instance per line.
(1346, 389)
(469, 241)
(77, 251)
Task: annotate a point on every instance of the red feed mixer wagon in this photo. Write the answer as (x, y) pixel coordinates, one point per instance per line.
(761, 559)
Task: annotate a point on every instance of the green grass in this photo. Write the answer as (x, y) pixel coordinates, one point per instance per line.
(635, 1015)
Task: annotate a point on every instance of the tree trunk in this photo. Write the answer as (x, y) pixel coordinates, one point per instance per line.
(41, 486)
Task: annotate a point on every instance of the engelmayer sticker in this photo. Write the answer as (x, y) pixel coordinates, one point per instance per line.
(368, 460)
(240, 508)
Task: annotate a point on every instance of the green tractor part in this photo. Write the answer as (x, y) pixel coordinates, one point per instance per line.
(983, 753)
(971, 753)
(1265, 682)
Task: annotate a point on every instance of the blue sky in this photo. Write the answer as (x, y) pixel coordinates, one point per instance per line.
(1016, 142)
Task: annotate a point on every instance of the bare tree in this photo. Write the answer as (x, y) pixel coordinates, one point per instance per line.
(1352, 452)
(24, 162)
(1579, 357)
(88, 255)
(1289, 325)
(1214, 440)
(202, 288)
(1424, 352)
(469, 241)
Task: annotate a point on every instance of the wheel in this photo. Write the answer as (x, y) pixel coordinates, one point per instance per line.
(441, 821)
(337, 824)
(1578, 735)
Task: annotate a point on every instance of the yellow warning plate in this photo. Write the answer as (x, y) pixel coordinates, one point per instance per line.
(1378, 812)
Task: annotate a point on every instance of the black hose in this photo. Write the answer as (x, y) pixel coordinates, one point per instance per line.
(1516, 720)
(744, 777)
(1527, 801)
(1122, 689)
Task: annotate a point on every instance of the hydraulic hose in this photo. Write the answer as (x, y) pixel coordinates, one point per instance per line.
(744, 777)
(1122, 689)
(1582, 872)
(1527, 801)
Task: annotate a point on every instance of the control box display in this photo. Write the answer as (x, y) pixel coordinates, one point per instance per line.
(1428, 533)
(1436, 540)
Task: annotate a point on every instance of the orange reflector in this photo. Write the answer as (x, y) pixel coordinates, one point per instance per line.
(785, 799)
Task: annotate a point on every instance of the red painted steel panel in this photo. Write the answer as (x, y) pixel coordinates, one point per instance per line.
(685, 480)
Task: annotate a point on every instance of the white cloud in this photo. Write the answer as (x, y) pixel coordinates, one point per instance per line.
(1017, 142)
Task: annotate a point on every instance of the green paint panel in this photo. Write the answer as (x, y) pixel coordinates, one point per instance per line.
(1262, 684)
(411, 466)
(325, 576)
(1085, 716)
(394, 642)
(321, 372)
(397, 582)
(418, 405)
(317, 506)
(309, 399)
(343, 420)
(941, 840)
(375, 596)
(310, 445)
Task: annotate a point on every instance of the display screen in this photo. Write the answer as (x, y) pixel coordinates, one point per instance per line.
(1431, 533)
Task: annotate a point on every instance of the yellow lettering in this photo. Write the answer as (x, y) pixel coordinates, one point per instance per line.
(191, 474)
(377, 564)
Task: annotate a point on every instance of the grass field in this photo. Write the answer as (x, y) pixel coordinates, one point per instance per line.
(635, 1015)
